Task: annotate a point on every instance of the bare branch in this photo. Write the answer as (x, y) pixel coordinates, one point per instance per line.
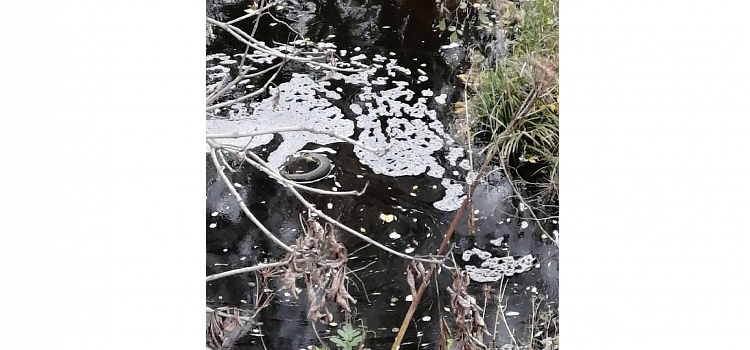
(224, 160)
(236, 134)
(258, 267)
(242, 203)
(221, 312)
(242, 75)
(342, 226)
(253, 12)
(248, 40)
(531, 210)
(250, 95)
(288, 182)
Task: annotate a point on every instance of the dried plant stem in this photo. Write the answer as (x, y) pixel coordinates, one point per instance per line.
(502, 314)
(531, 209)
(443, 245)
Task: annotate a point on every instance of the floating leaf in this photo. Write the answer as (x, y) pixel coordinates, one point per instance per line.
(386, 217)
(454, 37)
(442, 24)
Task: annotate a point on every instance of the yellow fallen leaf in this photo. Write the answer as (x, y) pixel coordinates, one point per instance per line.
(414, 188)
(532, 160)
(362, 229)
(386, 217)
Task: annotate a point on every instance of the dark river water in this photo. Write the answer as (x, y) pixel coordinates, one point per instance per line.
(402, 101)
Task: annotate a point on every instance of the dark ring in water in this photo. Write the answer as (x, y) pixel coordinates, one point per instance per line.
(324, 166)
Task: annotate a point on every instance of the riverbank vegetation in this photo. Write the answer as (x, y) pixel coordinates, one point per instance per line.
(514, 96)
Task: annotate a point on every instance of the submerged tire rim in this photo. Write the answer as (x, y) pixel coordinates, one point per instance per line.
(323, 168)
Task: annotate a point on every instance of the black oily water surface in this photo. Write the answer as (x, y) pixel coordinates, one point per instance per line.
(380, 286)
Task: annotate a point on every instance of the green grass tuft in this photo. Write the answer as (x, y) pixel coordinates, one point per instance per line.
(516, 98)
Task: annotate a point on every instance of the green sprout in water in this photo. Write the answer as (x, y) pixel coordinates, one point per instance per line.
(348, 337)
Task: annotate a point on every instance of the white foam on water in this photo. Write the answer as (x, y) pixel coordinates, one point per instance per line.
(297, 105)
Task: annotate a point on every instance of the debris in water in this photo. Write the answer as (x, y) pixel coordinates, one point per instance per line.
(386, 217)
(497, 242)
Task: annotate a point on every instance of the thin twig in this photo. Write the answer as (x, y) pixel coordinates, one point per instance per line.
(363, 267)
(226, 164)
(288, 182)
(250, 95)
(253, 13)
(260, 266)
(443, 245)
(220, 312)
(515, 190)
(247, 40)
(325, 346)
(242, 75)
(360, 280)
(502, 314)
(242, 203)
(340, 225)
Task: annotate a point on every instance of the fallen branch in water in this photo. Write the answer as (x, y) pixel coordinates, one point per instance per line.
(258, 267)
(259, 163)
(443, 246)
(260, 46)
(242, 203)
(287, 182)
(237, 134)
(250, 95)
